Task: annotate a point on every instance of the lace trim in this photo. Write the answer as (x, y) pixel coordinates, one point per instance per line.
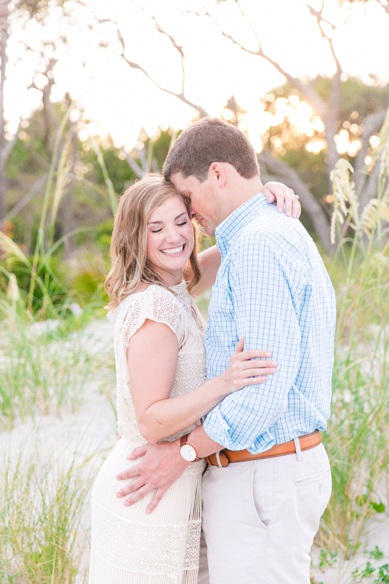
(150, 549)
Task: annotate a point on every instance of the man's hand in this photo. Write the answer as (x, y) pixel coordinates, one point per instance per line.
(278, 192)
(160, 467)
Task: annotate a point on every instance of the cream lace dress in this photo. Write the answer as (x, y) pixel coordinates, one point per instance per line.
(128, 545)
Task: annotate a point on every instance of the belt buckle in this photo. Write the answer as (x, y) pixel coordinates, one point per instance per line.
(221, 457)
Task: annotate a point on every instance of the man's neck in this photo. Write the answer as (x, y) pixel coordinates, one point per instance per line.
(242, 191)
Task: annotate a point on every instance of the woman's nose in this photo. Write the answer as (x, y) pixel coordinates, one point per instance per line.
(173, 235)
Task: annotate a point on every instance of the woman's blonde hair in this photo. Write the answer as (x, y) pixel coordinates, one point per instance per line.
(130, 264)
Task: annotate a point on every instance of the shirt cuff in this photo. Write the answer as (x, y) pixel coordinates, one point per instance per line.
(216, 427)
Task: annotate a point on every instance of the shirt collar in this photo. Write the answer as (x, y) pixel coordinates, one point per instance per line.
(232, 225)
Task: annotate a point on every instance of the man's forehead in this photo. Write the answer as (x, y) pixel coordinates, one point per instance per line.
(182, 183)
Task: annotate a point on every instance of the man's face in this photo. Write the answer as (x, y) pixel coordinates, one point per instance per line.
(204, 200)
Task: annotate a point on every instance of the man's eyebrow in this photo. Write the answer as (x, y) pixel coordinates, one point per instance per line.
(175, 219)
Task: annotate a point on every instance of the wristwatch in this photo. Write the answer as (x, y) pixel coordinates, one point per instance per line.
(187, 451)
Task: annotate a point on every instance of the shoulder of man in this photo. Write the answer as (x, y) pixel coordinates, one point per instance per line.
(272, 230)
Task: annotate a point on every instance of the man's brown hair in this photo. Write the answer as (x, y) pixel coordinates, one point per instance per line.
(206, 141)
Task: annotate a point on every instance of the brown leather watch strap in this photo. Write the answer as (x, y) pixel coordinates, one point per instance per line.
(226, 456)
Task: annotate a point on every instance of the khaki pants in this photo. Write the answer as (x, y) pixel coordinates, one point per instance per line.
(260, 518)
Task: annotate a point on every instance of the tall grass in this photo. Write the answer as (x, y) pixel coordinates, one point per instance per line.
(358, 433)
(41, 511)
(41, 374)
(48, 372)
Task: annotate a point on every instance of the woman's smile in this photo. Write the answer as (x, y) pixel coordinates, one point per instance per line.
(176, 251)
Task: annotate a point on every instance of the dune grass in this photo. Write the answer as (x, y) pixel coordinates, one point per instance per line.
(47, 372)
(358, 434)
(42, 505)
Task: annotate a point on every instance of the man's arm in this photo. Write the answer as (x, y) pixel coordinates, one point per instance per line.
(161, 465)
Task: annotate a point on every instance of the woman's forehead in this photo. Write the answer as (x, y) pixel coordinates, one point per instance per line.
(169, 209)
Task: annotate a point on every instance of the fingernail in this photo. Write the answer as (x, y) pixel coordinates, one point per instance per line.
(295, 215)
(267, 354)
(148, 511)
(288, 213)
(126, 503)
(119, 495)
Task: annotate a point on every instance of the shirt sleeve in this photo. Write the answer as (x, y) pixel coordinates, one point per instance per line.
(266, 288)
(156, 304)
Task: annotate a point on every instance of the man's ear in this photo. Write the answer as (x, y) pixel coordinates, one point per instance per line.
(217, 174)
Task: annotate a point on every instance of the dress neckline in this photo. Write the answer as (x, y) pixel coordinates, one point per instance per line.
(178, 287)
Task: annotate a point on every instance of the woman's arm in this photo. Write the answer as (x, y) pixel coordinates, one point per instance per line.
(152, 360)
(210, 258)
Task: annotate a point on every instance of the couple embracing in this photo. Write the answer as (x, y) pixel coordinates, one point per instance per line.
(220, 428)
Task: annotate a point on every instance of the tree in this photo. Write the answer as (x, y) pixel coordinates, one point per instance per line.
(13, 18)
(326, 105)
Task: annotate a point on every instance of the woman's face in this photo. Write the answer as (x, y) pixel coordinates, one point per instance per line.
(170, 239)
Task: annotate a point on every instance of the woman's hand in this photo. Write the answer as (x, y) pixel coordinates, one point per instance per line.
(276, 191)
(246, 368)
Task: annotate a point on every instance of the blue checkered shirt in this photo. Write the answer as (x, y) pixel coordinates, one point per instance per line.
(273, 289)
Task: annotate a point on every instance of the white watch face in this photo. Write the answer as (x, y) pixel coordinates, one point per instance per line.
(188, 453)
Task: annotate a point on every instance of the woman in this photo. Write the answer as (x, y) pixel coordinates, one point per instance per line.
(161, 387)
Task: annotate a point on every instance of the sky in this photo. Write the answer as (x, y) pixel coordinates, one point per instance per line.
(121, 101)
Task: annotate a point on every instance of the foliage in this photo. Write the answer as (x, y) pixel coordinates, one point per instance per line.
(41, 506)
(39, 374)
(358, 434)
(50, 291)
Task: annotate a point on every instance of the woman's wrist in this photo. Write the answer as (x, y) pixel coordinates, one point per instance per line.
(223, 385)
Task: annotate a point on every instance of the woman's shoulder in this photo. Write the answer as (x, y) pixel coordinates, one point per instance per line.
(153, 302)
(152, 296)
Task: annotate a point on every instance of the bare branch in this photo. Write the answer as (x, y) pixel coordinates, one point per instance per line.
(177, 47)
(307, 90)
(372, 123)
(181, 96)
(36, 187)
(320, 20)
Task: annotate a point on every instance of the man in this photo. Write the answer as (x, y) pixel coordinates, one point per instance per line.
(269, 481)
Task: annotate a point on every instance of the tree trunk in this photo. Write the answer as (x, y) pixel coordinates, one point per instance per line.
(67, 205)
(3, 184)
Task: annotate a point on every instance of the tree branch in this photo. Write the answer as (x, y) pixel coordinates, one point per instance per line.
(372, 124)
(307, 90)
(34, 190)
(181, 96)
(178, 48)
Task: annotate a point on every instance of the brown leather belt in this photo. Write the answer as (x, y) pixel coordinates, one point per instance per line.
(226, 456)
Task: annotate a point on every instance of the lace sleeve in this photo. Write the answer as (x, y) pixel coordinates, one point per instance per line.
(157, 304)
